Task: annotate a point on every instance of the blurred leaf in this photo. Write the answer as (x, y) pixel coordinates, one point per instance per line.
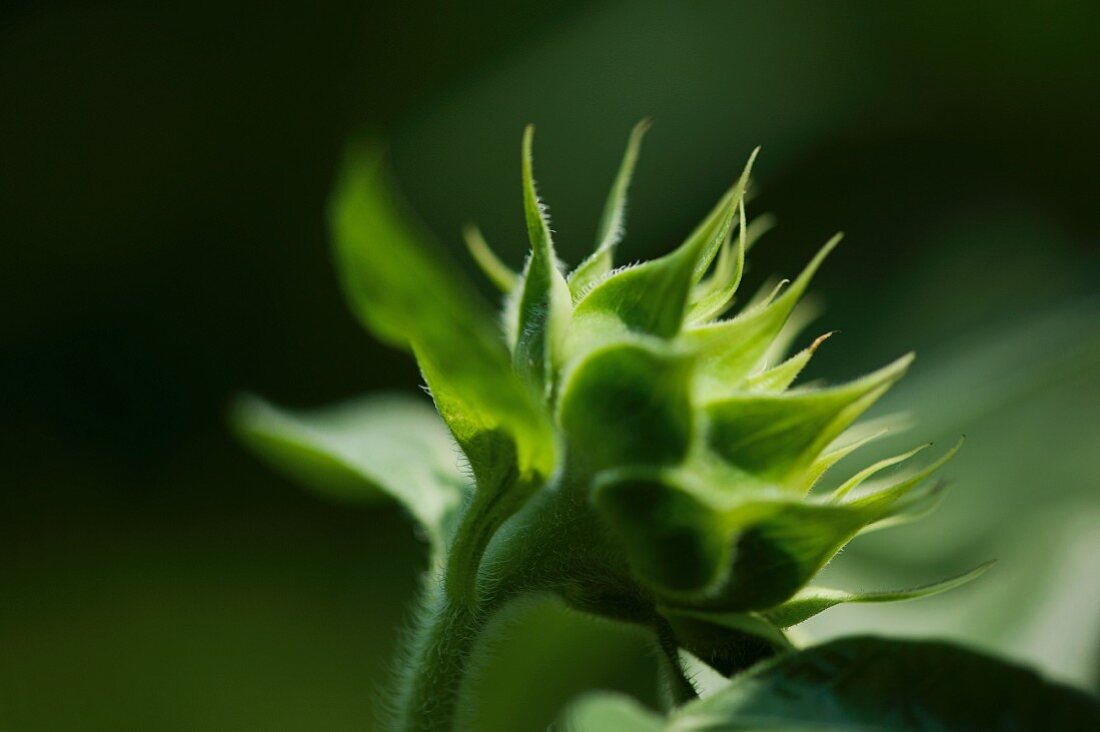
(606, 712)
(405, 292)
(1025, 394)
(873, 683)
(398, 282)
(495, 270)
(385, 446)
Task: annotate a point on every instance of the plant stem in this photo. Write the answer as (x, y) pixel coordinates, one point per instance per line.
(486, 513)
(533, 553)
(451, 618)
(436, 663)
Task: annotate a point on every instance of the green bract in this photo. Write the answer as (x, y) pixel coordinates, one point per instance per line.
(623, 438)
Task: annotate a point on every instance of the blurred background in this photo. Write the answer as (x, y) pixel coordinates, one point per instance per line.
(163, 175)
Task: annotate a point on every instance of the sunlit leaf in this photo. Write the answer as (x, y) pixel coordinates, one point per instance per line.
(853, 438)
(901, 490)
(403, 289)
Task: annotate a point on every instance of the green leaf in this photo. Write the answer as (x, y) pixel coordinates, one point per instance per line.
(652, 297)
(396, 278)
(717, 293)
(765, 294)
(704, 548)
(714, 295)
(900, 493)
(729, 350)
(857, 480)
(674, 541)
(608, 712)
(402, 288)
(628, 403)
(716, 227)
(734, 548)
(386, 446)
(849, 441)
(495, 270)
(775, 555)
(813, 600)
(612, 222)
(777, 437)
(779, 378)
(867, 683)
(544, 302)
(805, 311)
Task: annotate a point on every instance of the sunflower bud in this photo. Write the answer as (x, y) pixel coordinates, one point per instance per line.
(695, 453)
(643, 439)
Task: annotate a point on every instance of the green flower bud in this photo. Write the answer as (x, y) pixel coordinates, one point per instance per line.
(696, 457)
(630, 444)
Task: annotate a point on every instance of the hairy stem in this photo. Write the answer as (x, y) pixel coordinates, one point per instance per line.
(451, 618)
(436, 662)
(486, 513)
(492, 561)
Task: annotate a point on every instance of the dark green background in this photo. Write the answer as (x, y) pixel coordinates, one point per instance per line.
(163, 174)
